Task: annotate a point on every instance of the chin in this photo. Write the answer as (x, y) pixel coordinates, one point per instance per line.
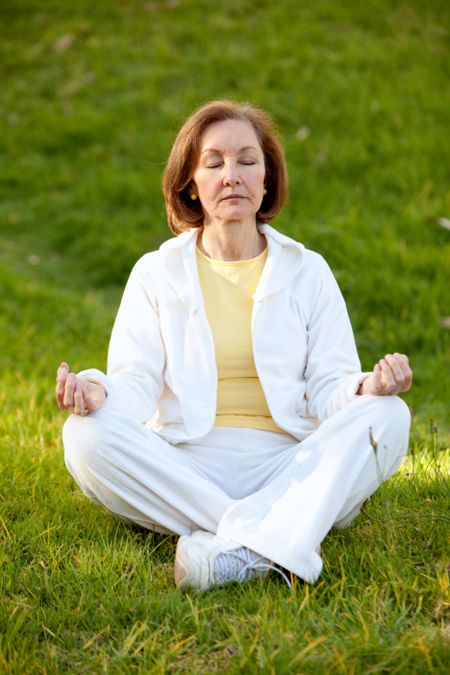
(237, 212)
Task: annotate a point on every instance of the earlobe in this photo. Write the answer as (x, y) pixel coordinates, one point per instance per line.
(193, 192)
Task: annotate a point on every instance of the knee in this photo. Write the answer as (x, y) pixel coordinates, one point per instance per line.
(82, 438)
(391, 424)
(390, 411)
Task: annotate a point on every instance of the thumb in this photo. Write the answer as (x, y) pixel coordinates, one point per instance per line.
(377, 377)
(373, 383)
(94, 394)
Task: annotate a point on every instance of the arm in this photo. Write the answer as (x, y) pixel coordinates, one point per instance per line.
(333, 370)
(136, 356)
(333, 374)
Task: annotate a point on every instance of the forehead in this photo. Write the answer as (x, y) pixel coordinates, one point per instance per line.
(229, 136)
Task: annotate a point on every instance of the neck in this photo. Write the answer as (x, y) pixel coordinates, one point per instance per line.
(231, 241)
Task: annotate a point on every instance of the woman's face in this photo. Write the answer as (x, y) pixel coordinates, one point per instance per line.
(229, 177)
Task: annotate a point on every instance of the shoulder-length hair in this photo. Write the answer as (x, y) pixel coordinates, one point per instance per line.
(184, 213)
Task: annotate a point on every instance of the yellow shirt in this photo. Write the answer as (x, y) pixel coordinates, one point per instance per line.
(227, 288)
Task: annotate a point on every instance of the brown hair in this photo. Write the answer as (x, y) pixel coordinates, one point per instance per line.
(184, 213)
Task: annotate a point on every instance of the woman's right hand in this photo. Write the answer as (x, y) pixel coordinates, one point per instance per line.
(76, 394)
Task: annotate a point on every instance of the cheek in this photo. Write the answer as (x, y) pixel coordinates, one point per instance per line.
(260, 176)
(258, 184)
(205, 186)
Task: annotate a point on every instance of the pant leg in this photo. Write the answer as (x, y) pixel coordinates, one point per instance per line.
(330, 473)
(138, 476)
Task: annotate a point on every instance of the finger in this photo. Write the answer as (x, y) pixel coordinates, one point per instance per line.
(68, 400)
(87, 398)
(404, 379)
(396, 365)
(387, 377)
(61, 377)
(403, 362)
(409, 379)
(62, 370)
(373, 383)
(377, 372)
(79, 407)
(89, 401)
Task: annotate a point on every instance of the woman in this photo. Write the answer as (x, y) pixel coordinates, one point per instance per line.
(234, 412)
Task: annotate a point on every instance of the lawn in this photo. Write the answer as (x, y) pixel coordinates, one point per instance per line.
(92, 95)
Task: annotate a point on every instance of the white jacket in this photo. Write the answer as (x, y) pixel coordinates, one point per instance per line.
(161, 360)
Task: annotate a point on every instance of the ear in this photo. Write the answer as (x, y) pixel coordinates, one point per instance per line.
(192, 190)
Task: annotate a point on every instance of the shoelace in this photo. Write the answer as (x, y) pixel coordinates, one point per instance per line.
(226, 566)
(263, 567)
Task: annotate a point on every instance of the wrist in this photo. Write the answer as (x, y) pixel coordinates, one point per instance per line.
(361, 389)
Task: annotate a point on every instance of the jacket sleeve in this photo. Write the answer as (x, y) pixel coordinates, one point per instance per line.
(333, 370)
(136, 355)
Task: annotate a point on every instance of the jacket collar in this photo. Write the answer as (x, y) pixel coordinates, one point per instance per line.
(284, 260)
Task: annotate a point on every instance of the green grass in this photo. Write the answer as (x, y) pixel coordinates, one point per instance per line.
(86, 122)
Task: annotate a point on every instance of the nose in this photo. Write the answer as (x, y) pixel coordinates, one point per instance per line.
(231, 175)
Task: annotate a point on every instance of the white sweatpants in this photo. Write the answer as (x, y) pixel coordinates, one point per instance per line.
(262, 489)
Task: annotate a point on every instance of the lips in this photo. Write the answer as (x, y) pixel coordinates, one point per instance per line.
(232, 197)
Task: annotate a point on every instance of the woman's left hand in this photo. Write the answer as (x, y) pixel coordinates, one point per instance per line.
(390, 376)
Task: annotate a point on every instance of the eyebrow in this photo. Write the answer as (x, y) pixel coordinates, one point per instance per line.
(247, 147)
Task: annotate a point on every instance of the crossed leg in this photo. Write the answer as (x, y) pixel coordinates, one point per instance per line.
(293, 498)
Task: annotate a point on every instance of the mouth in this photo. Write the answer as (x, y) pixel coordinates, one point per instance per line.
(232, 197)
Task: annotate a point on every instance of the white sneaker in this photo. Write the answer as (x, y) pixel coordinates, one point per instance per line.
(204, 560)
